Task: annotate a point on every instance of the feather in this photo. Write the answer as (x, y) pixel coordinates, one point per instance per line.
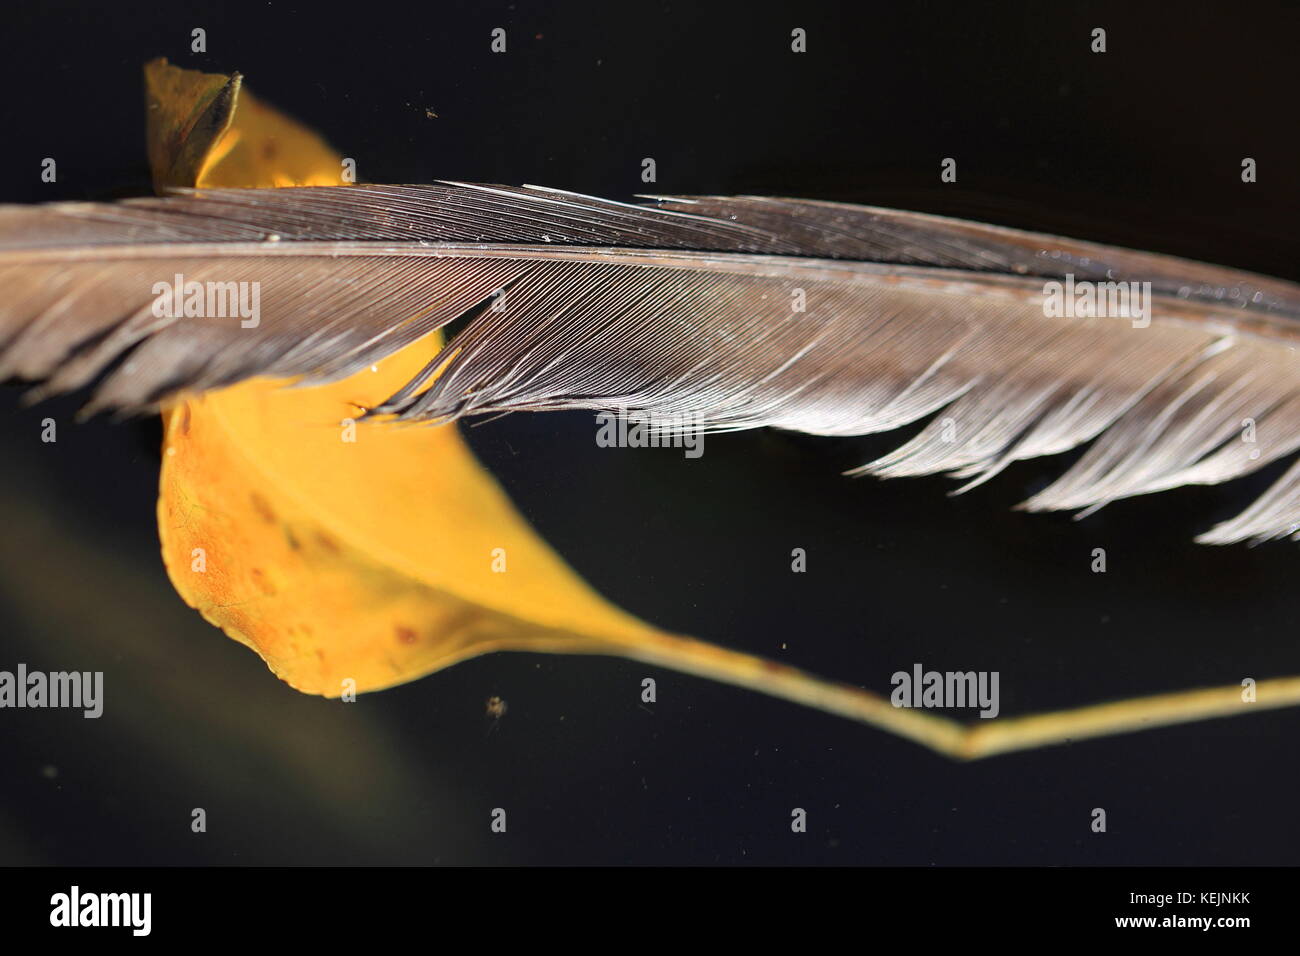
(683, 308)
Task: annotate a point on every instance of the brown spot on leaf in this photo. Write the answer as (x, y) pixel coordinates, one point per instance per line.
(262, 507)
(406, 635)
(263, 584)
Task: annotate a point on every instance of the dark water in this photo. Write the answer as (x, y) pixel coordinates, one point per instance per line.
(1141, 146)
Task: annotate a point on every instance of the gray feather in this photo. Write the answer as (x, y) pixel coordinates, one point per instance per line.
(683, 308)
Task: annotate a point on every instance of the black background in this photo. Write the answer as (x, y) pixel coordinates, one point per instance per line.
(1140, 146)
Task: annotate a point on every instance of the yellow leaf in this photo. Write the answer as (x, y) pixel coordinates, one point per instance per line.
(369, 560)
(360, 564)
(379, 560)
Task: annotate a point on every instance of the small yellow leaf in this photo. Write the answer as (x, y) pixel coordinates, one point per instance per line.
(355, 556)
(376, 560)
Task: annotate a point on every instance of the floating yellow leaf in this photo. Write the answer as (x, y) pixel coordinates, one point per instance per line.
(356, 556)
(374, 560)
(377, 559)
